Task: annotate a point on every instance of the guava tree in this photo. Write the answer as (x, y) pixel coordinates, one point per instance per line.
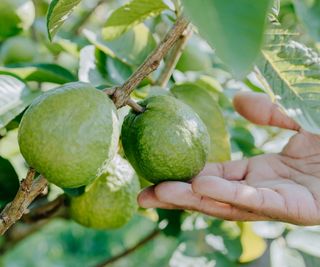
(99, 99)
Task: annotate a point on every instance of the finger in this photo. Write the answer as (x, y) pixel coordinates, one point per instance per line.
(148, 199)
(181, 195)
(231, 170)
(262, 201)
(259, 109)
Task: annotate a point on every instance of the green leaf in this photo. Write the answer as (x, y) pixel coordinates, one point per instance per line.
(58, 12)
(15, 16)
(173, 219)
(129, 15)
(208, 110)
(98, 68)
(234, 28)
(9, 182)
(131, 48)
(244, 140)
(293, 73)
(89, 70)
(230, 234)
(15, 96)
(309, 14)
(310, 260)
(40, 73)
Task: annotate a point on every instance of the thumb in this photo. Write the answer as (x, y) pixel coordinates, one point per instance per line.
(258, 108)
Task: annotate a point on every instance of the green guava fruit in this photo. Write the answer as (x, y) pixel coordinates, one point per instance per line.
(68, 133)
(193, 59)
(168, 141)
(17, 49)
(15, 16)
(111, 200)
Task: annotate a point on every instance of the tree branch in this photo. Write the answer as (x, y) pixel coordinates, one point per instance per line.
(173, 58)
(122, 93)
(148, 238)
(29, 189)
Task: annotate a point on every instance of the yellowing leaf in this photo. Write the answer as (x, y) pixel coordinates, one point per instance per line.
(253, 246)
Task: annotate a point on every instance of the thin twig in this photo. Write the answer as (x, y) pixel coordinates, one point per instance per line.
(173, 58)
(148, 238)
(29, 189)
(122, 93)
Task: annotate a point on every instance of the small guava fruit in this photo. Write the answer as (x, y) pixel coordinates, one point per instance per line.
(17, 49)
(15, 16)
(194, 59)
(111, 200)
(168, 141)
(68, 133)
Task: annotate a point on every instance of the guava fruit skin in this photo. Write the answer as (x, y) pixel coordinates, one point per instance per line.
(168, 141)
(111, 200)
(68, 133)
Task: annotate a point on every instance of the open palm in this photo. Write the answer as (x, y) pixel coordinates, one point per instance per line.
(284, 186)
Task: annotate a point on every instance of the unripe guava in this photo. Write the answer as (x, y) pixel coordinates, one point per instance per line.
(15, 16)
(193, 59)
(17, 49)
(111, 200)
(68, 133)
(168, 141)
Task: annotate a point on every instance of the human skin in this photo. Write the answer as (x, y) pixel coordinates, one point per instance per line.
(281, 187)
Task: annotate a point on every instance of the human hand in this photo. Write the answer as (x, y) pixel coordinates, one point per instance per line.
(283, 187)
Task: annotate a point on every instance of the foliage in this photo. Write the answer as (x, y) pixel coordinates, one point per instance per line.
(263, 46)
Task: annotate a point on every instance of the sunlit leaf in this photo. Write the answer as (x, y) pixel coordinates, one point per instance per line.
(305, 240)
(131, 48)
(281, 255)
(293, 73)
(129, 15)
(228, 27)
(40, 72)
(58, 12)
(15, 96)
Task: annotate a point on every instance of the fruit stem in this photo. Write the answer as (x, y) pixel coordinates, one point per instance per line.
(135, 106)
